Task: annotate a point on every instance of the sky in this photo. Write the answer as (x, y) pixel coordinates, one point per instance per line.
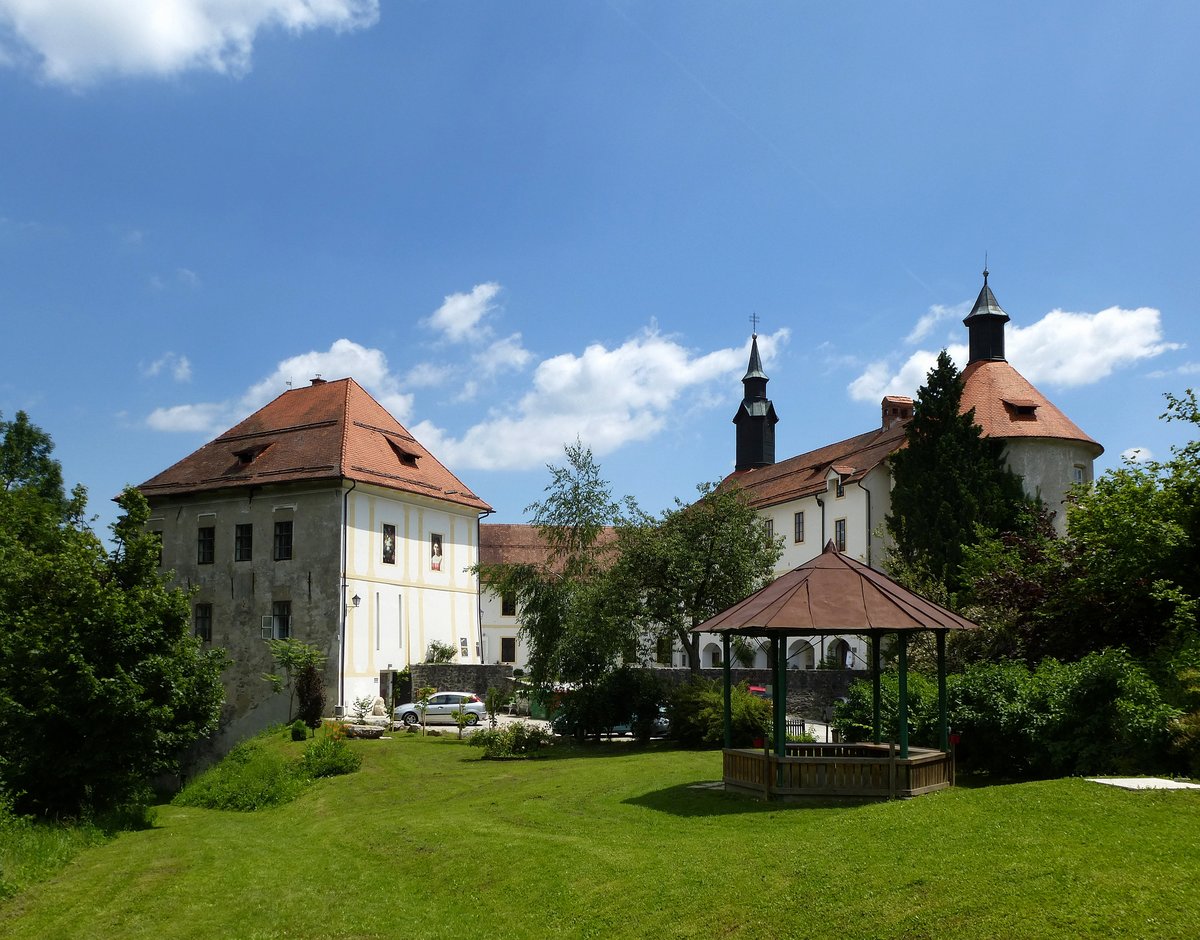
(521, 224)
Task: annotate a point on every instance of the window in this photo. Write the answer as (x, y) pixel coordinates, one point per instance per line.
(839, 489)
(799, 521)
(1077, 475)
(281, 618)
(508, 649)
(243, 542)
(716, 657)
(839, 534)
(203, 628)
(389, 544)
(662, 652)
(206, 544)
(771, 528)
(508, 605)
(283, 540)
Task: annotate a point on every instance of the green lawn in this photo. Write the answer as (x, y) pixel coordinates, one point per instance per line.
(613, 840)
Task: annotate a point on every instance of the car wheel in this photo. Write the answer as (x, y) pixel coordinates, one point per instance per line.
(410, 718)
(472, 718)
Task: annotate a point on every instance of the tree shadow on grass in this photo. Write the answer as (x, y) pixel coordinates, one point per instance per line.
(709, 798)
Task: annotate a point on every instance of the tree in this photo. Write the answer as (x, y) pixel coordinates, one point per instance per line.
(947, 480)
(574, 625)
(695, 561)
(102, 685)
(440, 652)
(296, 658)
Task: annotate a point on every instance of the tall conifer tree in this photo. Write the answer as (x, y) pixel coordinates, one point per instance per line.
(947, 479)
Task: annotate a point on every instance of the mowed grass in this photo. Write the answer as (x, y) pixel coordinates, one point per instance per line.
(616, 841)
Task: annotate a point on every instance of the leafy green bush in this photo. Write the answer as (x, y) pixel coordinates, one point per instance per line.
(697, 714)
(330, 755)
(1102, 714)
(299, 730)
(250, 777)
(516, 740)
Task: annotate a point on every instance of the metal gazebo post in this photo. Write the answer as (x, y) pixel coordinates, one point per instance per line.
(943, 724)
(728, 704)
(875, 732)
(902, 640)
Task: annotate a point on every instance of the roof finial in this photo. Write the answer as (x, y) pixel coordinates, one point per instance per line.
(985, 269)
(754, 324)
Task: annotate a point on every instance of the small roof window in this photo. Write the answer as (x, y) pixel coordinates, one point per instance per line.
(407, 458)
(1021, 407)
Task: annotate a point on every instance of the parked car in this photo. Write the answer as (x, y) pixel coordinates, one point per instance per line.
(659, 726)
(442, 706)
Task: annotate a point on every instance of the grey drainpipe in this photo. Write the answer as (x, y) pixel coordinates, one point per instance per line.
(868, 492)
(821, 503)
(478, 582)
(341, 679)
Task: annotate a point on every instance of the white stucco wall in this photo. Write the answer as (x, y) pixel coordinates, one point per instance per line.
(1047, 468)
(407, 604)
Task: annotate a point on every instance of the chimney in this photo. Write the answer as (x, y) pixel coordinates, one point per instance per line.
(317, 380)
(896, 408)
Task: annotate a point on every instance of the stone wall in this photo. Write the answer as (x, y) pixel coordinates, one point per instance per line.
(811, 692)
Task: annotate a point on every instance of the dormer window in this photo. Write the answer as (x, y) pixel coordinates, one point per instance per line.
(248, 455)
(1021, 408)
(407, 458)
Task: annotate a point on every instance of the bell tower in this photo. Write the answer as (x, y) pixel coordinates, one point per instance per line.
(755, 419)
(985, 326)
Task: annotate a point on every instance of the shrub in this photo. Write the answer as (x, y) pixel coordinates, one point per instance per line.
(1102, 714)
(697, 714)
(330, 755)
(310, 695)
(250, 777)
(299, 730)
(519, 739)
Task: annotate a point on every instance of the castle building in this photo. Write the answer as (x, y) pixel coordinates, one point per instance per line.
(320, 517)
(841, 492)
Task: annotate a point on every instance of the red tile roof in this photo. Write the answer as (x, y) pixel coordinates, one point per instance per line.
(502, 543)
(832, 593)
(806, 474)
(324, 431)
(1007, 405)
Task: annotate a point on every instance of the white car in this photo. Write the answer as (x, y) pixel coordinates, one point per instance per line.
(442, 707)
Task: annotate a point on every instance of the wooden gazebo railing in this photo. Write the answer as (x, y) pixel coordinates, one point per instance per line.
(874, 771)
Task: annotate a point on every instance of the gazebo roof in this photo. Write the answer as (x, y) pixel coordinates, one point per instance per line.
(833, 594)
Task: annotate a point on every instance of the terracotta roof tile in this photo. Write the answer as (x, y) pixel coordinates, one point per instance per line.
(325, 431)
(832, 593)
(503, 543)
(1007, 405)
(805, 474)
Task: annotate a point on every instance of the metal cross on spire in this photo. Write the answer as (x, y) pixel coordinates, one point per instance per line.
(754, 324)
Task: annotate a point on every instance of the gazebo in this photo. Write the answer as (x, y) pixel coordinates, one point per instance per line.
(835, 594)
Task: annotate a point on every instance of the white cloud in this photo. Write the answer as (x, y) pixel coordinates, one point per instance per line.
(938, 313)
(179, 367)
(75, 42)
(1188, 368)
(1137, 455)
(504, 355)
(605, 397)
(460, 316)
(344, 358)
(1061, 349)
(187, 277)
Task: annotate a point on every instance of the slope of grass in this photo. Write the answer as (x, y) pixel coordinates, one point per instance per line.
(429, 841)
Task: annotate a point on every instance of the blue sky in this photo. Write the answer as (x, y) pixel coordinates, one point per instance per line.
(515, 223)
